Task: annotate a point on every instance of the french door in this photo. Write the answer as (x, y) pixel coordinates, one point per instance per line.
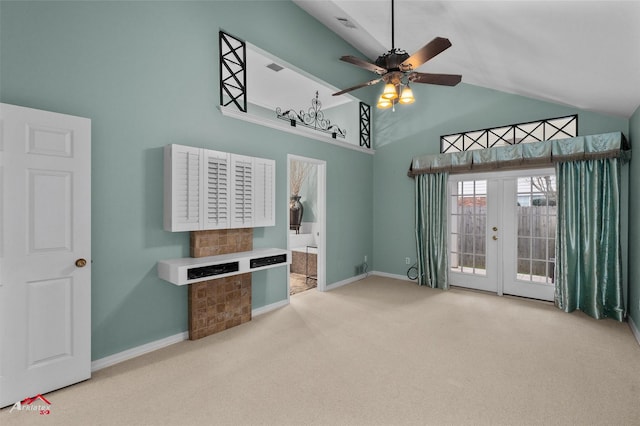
(502, 232)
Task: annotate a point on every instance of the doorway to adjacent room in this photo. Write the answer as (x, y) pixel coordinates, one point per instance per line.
(306, 224)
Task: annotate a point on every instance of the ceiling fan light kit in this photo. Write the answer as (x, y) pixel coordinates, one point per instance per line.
(396, 70)
(389, 92)
(384, 103)
(390, 96)
(407, 96)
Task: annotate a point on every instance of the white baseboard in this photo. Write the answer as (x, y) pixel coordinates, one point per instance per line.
(264, 309)
(395, 276)
(114, 359)
(634, 329)
(345, 282)
(110, 360)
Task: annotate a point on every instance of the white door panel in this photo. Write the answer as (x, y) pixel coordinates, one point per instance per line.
(473, 255)
(530, 233)
(45, 299)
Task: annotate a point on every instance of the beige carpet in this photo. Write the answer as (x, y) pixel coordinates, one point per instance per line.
(378, 351)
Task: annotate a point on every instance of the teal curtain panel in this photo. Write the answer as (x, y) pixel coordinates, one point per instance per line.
(588, 254)
(432, 230)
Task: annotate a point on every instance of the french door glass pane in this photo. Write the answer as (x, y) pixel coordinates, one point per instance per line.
(468, 227)
(536, 205)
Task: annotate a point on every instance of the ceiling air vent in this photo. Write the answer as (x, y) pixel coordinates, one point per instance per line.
(347, 23)
(275, 67)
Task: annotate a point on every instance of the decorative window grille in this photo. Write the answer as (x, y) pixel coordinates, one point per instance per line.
(233, 71)
(365, 125)
(533, 131)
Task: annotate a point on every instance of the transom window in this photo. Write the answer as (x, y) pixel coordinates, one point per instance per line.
(533, 131)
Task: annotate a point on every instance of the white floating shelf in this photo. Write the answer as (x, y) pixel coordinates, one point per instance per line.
(189, 270)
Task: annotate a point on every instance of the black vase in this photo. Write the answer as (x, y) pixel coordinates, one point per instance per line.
(295, 213)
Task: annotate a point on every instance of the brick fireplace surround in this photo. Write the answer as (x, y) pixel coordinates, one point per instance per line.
(218, 304)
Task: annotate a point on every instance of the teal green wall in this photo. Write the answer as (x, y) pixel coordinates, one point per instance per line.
(634, 222)
(416, 129)
(146, 74)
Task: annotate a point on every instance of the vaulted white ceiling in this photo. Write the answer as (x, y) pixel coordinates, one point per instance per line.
(584, 54)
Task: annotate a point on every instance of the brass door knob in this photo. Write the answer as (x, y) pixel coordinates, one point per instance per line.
(81, 262)
(495, 228)
(494, 238)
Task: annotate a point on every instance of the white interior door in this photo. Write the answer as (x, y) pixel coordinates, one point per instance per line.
(502, 232)
(45, 252)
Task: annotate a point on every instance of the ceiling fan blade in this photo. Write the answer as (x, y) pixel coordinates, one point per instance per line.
(364, 64)
(368, 83)
(440, 79)
(428, 51)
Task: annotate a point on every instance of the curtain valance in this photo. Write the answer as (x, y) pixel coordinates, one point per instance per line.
(526, 155)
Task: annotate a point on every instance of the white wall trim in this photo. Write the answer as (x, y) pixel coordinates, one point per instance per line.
(345, 282)
(128, 354)
(119, 357)
(110, 360)
(394, 276)
(634, 329)
(285, 127)
(268, 308)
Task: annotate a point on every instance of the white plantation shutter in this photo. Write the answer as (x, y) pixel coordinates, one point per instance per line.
(206, 189)
(217, 191)
(184, 191)
(242, 179)
(264, 192)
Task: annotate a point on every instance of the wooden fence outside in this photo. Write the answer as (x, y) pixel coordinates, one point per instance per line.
(536, 241)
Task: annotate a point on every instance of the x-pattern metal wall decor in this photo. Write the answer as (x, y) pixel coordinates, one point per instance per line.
(233, 71)
(533, 131)
(365, 125)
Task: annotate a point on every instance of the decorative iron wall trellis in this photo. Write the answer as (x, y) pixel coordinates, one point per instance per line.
(313, 118)
(233, 71)
(365, 125)
(233, 92)
(533, 131)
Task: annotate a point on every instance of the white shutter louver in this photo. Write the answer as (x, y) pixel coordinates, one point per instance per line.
(243, 191)
(188, 187)
(217, 190)
(182, 194)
